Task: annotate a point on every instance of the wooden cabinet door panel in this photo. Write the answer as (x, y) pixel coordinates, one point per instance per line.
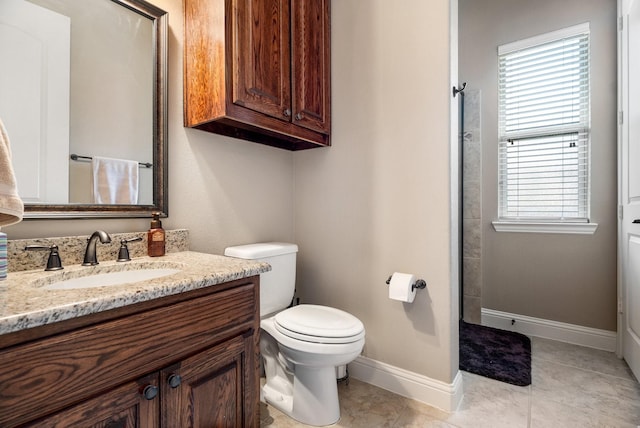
(204, 61)
(259, 70)
(261, 56)
(214, 385)
(122, 407)
(47, 375)
(311, 66)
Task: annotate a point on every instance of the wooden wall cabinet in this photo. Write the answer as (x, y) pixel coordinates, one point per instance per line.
(259, 70)
(183, 361)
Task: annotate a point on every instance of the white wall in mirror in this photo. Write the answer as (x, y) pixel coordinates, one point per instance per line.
(109, 93)
(34, 98)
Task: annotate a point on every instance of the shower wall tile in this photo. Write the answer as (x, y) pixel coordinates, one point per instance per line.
(472, 111)
(472, 309)
(472, 164)
(472, 202)
(472, 276)
(471, 238)
(472, 206)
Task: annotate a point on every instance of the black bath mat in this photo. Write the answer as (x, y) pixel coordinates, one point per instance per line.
(497, 354)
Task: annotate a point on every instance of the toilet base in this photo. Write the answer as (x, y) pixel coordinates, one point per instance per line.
(301, 375)
(316, 396)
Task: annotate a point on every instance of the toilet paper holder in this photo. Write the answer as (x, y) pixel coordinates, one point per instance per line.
(419, 284)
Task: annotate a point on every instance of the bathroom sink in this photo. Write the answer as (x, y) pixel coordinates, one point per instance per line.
(110, 278)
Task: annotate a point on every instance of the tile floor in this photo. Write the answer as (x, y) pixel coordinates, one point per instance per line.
(572, 387)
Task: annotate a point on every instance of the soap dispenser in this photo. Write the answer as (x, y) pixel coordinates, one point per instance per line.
(156, 237)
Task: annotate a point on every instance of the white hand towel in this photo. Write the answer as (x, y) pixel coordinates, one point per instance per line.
(115, 181)
(11, 206)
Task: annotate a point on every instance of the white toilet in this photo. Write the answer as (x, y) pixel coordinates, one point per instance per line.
(302, 345)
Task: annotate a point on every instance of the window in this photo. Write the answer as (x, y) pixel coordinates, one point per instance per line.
(543, 112)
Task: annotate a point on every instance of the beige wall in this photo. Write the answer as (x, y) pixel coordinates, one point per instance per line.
(224, 191)
(378, 201)
(564, 278)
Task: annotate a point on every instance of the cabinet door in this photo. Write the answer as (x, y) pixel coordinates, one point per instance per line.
(127, 406)
(215, 388)
(261, 75)
(310, 52)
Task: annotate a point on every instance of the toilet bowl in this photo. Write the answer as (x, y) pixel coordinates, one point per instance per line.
(300, 360)
(300, 345)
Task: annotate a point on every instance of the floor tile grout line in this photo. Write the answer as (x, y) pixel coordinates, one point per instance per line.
(630, 379)
(536, 354)
(530, 400)
(540, 354)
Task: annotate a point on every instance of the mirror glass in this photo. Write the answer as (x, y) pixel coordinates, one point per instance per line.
(83, 98)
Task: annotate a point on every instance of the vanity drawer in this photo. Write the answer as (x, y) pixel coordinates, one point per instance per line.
(49, 374)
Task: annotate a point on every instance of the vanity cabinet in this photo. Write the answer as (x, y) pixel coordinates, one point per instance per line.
(259, 70)
(122, 407)
(189, 360)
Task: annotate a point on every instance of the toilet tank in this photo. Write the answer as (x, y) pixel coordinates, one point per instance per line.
(278, 285)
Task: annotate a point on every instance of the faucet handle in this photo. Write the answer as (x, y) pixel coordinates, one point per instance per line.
(53, 262)
(123, 254)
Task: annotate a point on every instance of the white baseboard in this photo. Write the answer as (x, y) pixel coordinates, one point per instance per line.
(433, 392)
(563, 332)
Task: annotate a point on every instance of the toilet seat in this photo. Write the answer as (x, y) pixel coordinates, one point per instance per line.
(319, 324)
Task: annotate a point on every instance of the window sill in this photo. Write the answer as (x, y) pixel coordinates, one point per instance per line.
(542, 227)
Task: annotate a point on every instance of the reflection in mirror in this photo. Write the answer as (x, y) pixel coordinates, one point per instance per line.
(86, 79)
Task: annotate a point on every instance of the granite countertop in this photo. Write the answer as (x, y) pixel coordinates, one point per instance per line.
(24, 303)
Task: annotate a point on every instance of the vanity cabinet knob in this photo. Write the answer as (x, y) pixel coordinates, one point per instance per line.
(299, 116)
(150, 392)
(174, 380)
(286, 112)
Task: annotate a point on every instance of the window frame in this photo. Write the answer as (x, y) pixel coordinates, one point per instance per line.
(552, 224)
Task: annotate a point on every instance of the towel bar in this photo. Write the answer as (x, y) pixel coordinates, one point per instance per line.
(76, 157)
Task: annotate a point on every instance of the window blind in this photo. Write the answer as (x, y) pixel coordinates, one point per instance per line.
(544, 135)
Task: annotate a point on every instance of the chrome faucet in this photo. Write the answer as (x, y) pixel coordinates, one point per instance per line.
(90, 258)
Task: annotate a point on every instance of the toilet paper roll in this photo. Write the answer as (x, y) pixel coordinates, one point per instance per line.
(401, 287)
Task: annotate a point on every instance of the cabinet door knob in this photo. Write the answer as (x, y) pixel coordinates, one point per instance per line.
(150, 392)
(286, 113)
(174, 380)
(636, 221)
(299, 116)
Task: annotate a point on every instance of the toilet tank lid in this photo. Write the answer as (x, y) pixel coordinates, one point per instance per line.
(259, 251)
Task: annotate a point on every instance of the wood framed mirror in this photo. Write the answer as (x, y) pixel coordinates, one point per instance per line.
(112, 90)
